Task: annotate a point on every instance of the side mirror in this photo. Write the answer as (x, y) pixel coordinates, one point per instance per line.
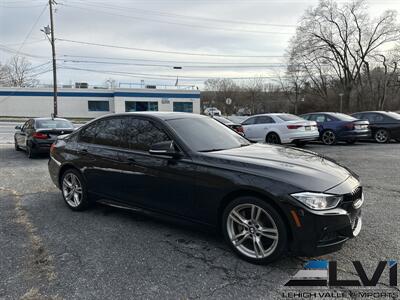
(164, 148)
(18, 127)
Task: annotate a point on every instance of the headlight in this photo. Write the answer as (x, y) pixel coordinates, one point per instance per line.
(318, 201)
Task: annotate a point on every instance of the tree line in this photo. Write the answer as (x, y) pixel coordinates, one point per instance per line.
(340, 59)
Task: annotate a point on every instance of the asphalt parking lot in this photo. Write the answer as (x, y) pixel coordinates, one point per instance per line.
(50, 252)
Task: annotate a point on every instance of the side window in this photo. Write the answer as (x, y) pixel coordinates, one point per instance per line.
(379, 118)
(110, 132)
(249, 121)
(264, 120)
(142, 134)
(357, 116)
(319, 118)
(305, 117)
(88, 133)
(328, 118)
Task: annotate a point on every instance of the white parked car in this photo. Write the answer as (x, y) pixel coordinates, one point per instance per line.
(280, 128)
(212, 111)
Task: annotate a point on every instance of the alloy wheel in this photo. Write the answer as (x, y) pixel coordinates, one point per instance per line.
(382, 136)
(273, 139)
(252, 231)
(72, 190)
(328, 137)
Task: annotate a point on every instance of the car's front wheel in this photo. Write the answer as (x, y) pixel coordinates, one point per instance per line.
(254, 230)
(74, 190)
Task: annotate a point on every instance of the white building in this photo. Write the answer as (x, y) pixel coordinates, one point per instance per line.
(91, 103)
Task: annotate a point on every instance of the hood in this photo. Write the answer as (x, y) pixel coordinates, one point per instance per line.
(306, 170)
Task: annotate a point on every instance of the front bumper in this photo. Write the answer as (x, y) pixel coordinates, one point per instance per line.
(326, 231)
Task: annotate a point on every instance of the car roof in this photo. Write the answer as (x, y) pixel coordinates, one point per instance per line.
(44, 118)
(160, 115)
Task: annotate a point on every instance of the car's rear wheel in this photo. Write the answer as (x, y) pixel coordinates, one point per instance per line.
(254, 230)
(328, 137)
(74, 190)
(382, 136)
(273, 138)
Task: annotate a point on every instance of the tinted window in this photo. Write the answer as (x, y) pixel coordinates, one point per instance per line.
(373, 117)
(110, 132)
(289, 117)
(249, 121)
(206, 134)
(53, 124)
(392, 115)
(264, 120)
(142, 134)
(317, 118)
(305, 117)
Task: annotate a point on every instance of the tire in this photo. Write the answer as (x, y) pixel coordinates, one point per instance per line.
(251, 236)
(17, 148)
(328, 137)
(272, 138)
(382, 136)
(29, 152)
(300, 143)
(74, 190)
(350, 142)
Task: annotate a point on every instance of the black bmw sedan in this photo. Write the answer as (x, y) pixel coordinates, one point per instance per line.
(267, 200)
(37, 134)
(385, 125)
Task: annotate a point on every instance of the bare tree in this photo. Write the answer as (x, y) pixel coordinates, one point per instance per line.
(342, 39)
(253, 89)
(18, 72)
(219, 90)
(293, 85)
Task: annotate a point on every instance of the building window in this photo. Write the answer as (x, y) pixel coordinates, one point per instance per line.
(141, 106)
(99, 105)
(183, 107)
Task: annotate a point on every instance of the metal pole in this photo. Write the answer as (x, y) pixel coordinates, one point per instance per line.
(53, 50)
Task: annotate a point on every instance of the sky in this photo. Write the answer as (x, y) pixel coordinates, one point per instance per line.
(129, 41)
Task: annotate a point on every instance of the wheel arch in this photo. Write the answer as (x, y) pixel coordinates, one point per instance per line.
(247, 192)
(66, 167)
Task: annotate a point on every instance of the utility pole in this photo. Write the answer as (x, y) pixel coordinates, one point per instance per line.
(53, 50)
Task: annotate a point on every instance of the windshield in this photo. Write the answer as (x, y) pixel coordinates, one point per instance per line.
(206, 134)
(289, 117)
(53, 124)
(343, 117)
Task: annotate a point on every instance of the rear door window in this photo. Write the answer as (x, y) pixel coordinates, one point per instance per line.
(264, 120)
(249, 121)
(107, 132)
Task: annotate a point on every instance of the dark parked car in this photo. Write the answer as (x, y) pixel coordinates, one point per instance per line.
(385, 125)
(234, 126)
(265, 199)
(37, 135)
(334, 127)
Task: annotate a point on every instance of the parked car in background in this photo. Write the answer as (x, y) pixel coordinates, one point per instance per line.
(237, 119)
(280, 128)
(234, 126)
(266, 200)
(334, 127)
(212, 111)
(385, 125)
(37, 134)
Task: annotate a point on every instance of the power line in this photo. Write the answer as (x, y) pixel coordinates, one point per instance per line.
(159, 51)
(174, 15)
(178, 23)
